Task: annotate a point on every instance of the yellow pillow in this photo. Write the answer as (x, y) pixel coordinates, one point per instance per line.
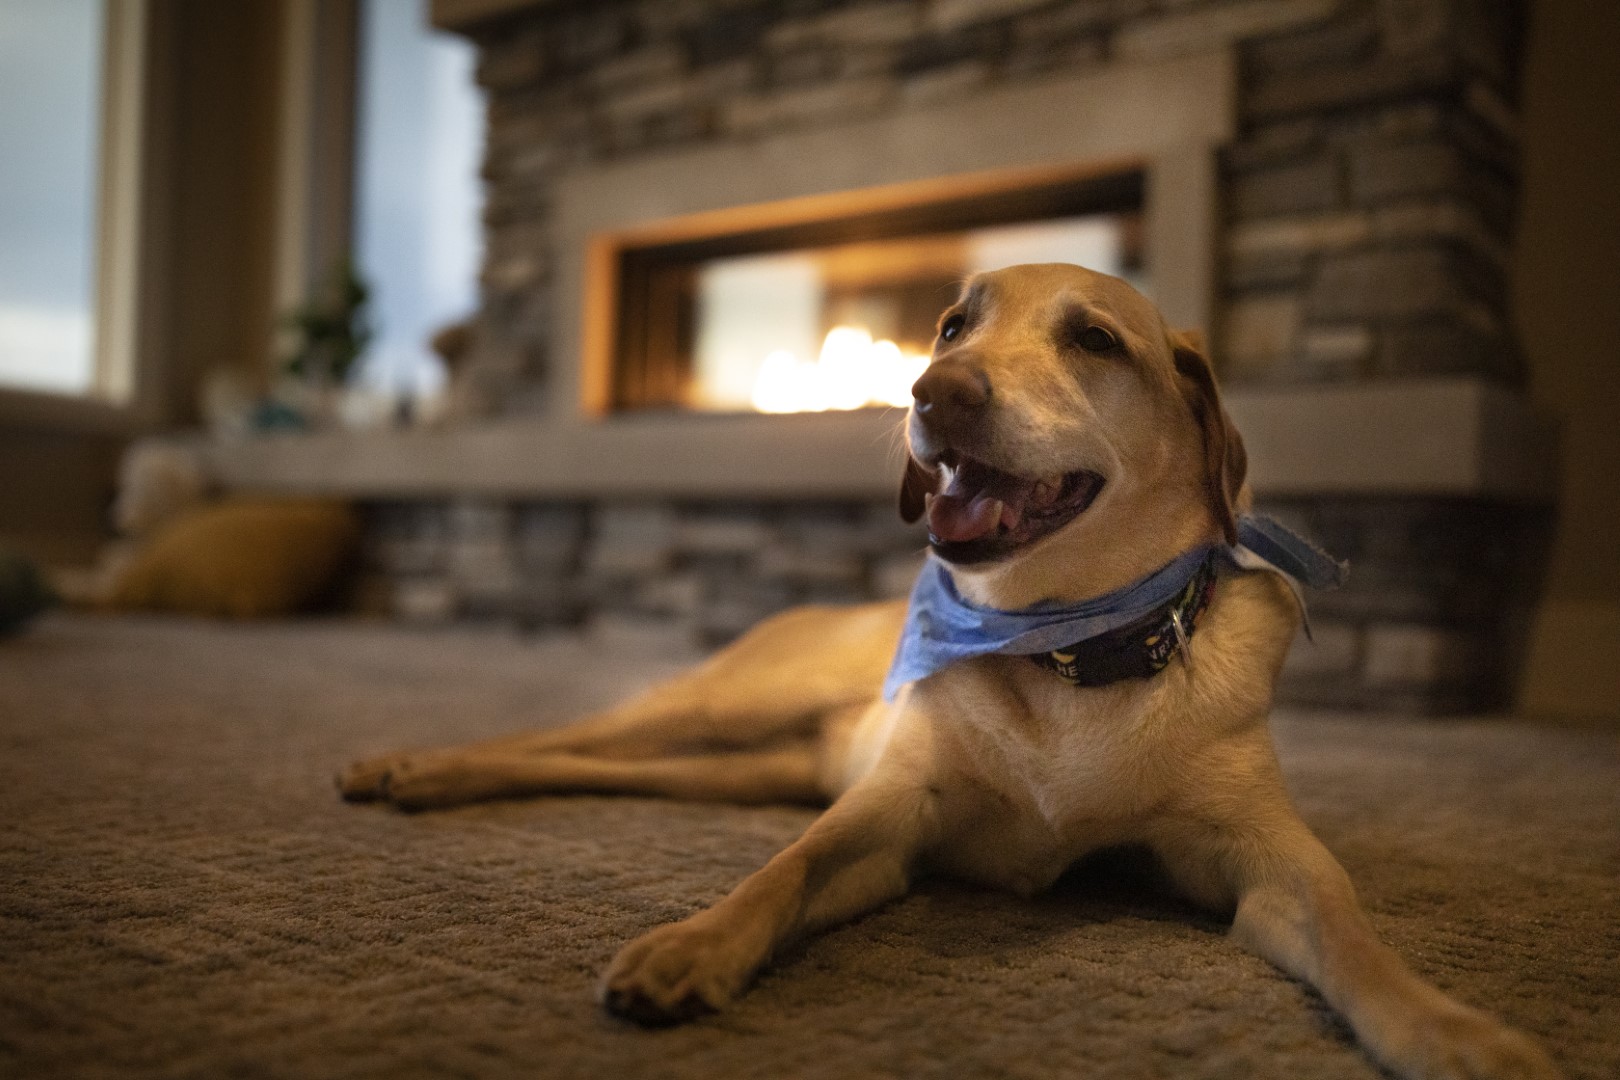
(241, 558)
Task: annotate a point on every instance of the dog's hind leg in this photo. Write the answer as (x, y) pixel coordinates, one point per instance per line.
(789, 773)
(776, 683)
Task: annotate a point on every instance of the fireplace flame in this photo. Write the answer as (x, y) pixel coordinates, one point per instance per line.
(852, 372)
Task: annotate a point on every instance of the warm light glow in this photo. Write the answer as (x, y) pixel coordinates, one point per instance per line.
(852, 372)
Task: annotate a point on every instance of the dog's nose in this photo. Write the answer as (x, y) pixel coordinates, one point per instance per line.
(950, 394)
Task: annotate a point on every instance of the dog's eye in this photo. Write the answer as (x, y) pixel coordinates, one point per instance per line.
(952, 328)
(1096, 339)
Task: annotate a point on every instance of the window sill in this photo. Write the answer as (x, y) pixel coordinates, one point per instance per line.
(32, 410)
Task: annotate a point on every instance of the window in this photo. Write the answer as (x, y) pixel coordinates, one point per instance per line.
(51, 63)
(417, 192)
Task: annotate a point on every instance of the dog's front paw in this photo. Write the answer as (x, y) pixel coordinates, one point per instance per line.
(1464, 1044)
(675, 973)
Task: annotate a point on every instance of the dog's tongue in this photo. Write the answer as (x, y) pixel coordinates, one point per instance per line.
(954, 518)
(976, 500)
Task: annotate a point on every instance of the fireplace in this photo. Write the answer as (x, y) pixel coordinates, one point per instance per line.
(866, 228)
(1338, 220)
(839, 313)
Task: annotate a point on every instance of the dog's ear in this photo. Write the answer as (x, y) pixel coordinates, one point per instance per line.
(915, 485)
(1225, 461)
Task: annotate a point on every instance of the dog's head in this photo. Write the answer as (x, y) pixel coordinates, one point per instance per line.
(1061, 424)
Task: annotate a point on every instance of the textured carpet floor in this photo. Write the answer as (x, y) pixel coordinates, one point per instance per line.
(181, 894)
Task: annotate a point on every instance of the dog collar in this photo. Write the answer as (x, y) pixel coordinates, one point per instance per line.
(1143, 648)
(1108, 635)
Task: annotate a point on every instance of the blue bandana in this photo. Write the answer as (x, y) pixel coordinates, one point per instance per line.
(942, 628)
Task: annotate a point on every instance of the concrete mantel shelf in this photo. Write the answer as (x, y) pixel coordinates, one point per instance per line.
(1444, 437)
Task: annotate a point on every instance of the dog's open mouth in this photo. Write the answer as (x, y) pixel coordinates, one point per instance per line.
(982, 513)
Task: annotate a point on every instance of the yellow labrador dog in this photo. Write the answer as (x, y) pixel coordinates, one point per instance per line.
(1069, 452)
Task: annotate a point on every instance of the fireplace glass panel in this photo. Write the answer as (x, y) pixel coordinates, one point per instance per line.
(851, 326)
(841, 315)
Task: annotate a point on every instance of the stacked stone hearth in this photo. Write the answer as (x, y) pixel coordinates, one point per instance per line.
(712, 570)
(1368, 200)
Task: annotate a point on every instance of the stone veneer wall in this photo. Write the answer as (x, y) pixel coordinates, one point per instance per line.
(1369, 202)
(712, 569)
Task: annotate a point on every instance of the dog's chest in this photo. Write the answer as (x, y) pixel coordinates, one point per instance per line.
(1044, 783)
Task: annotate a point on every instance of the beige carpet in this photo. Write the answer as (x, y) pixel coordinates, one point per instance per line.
(181, 894)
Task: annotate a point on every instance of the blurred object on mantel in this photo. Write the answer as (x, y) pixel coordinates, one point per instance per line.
(488, 376)
(453, 343)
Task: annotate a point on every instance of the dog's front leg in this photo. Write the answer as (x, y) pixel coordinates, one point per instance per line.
(859, 854)
(1297, 908)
